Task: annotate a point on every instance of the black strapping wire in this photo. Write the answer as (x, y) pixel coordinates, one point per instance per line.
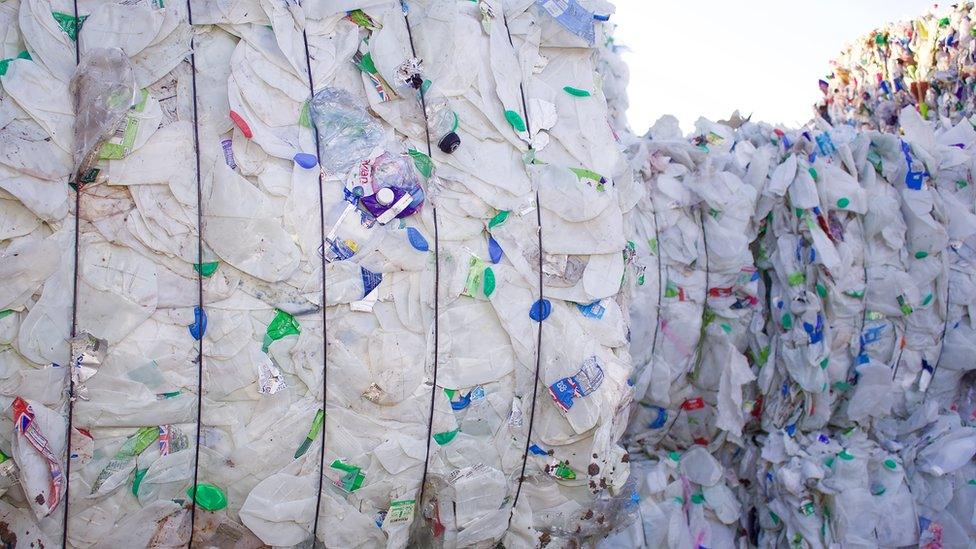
(538, 343)
(437, 273)
(325, 346)
(701, 337)
(945, 328)
(196, 150)
(660, 287)
(74, 317)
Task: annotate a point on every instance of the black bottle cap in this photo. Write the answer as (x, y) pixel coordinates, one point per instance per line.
(449, 143)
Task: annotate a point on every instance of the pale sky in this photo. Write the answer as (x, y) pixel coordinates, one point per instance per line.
(709, 57)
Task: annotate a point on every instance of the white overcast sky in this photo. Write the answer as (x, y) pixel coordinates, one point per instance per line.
(709, 57)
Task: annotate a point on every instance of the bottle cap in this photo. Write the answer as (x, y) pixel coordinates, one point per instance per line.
(385, 196)
(208, 497)
(449, 143)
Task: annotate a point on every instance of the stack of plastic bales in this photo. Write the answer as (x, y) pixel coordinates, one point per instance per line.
(928, 62)
(389, 231)
(821, 396)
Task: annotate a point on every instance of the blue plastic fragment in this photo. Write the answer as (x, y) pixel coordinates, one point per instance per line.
(199, 326)
(494, 250)
(661, 419)
(417, 240)
(462, 403)
(370, 281)
(538, 451)
(306, 160)
(540, 310)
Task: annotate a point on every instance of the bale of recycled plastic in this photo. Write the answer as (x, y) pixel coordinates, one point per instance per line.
(349, 271)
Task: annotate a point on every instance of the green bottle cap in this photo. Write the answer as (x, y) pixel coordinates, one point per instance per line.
(890, 464)
(208, 497)
(843, 202)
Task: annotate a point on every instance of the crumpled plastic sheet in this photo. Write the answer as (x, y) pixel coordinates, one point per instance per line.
(133, 454)
(927, 62)
(802, 369)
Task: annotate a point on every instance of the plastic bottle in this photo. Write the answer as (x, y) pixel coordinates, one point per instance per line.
(442, 122)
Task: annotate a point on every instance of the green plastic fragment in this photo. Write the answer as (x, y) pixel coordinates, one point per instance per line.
(576, 92)
(5, 63)
(674, 456)
(764, 355)
(6, 312)
(807, 508)
(798, 211)
(787, 320)
(843, 202)
(208, 497)
(304, 119)
(921, 255)
(671, 289)
(450, 393)
(489, 281)
(726, 328)
(698, 499)
(282, 325)
(971, 482)
(927, 300)
(813, 174)
(475, 280)
(775, 517)
(584, 173)
(445, 437)
(842, 386)
(652, 242)
(366, 63)
(824, 363)
(844, 455)
(890, 464)
(135, 444)
(499, 218)
(903, 305)
(564, 472)
(829, 462)
(797, 278)
(515, 119)
(206, 269)
(313, 432)
(354, 477)
(821, 290)
(360, 18)
(69, 23)
(423, 162)
(425, 86)
(137, 480)
(959, 184)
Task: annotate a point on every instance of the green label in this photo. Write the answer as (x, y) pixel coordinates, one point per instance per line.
(70, 24)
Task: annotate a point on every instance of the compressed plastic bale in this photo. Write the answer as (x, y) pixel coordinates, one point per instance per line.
(207, 185)
(855, 261)
(924, 62)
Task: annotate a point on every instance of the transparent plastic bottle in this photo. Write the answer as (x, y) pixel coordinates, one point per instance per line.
(442, 122)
